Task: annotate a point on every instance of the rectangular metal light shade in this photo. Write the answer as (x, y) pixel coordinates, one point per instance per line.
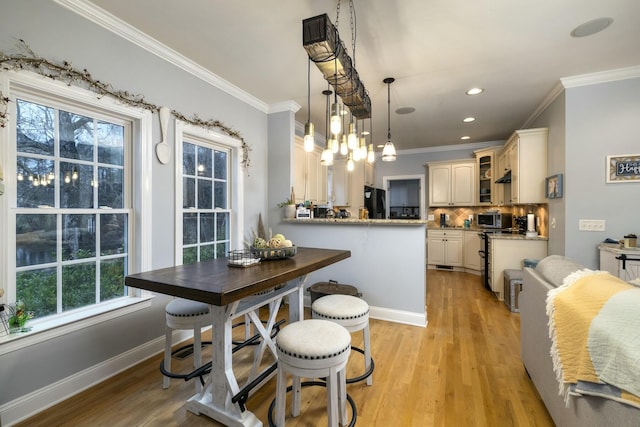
(322, 42)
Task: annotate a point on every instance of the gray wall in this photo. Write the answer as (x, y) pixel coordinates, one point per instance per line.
(55, 33)
(585, 125)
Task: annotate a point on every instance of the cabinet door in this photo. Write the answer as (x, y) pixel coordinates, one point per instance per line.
(356, 195)
(369, 174)
(453, 252)
(340, 183)
(439, 185)
(463, 180)
(435, 251)
(317, 179)
(472, 244)
(300, 173)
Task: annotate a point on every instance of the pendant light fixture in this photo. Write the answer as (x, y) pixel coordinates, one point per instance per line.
(389, 150)
(309, 142)
(326, 158)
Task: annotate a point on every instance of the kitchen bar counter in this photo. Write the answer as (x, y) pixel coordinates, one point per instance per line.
(355, 221)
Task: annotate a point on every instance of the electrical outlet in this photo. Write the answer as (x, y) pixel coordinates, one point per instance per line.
(430, 218)
(447, 217)
(470, 218)
(592, 225)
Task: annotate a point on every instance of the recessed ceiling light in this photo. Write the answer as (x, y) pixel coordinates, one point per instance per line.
(475, 91)
(465, 137)
(469, 119)
(405, 110)
(591, 27)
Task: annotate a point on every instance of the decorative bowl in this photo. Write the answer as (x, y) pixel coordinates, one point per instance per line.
(274, 253)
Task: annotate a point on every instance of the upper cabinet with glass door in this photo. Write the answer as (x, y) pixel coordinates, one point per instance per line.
(486, 170)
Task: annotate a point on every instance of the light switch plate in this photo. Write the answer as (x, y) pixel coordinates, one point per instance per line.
(592, 225)
(430, 218)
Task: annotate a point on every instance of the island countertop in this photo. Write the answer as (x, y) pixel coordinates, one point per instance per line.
(355, 221)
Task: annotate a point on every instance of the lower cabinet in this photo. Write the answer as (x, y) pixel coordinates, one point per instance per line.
(507, 253)
(444, 248)
(472, 247)
(622, 263)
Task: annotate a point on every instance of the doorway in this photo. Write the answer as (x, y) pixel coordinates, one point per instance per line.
(405, 196)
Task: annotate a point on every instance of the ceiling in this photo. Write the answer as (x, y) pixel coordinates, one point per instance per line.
(517, 50)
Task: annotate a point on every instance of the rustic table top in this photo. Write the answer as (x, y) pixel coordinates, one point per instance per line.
(214, 282)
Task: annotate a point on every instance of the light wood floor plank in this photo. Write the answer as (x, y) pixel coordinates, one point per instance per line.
(464, 369)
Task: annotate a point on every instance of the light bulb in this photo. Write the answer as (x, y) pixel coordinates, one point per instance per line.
(343, 147)
(336, 120)
(67, 178)
(74, 175)
(356, 154)
(352, 139)
(326, 159)
(350, 163)
(309, 142)
(371, 155)
(335, 146)
(20, 177)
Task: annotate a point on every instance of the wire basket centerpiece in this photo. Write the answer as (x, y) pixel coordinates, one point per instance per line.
(274, 253)
(242, 258)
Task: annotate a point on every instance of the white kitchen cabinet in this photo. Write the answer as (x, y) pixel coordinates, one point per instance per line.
(510, 252)
(486, 171)
(369, 174)
(310, 177)
(611, 260)
(340, 183)
(444, 248)
(452, 183)
(472, 246)
(525, 154)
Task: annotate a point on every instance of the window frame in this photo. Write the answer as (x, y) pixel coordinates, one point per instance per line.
(58, 94)
(185, 132)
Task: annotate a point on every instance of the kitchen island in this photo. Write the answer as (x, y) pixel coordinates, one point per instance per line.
(387, 263)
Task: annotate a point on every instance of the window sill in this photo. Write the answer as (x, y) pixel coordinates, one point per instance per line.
(62, 325)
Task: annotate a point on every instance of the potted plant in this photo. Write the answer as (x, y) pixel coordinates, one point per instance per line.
(289, 206)
(18, 317)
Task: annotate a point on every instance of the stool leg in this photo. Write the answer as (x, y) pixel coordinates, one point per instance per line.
(167, 356)
(367, 354)
(197, 351)
(281, 396)
(295, 395)
(332, 398)
(342, 396)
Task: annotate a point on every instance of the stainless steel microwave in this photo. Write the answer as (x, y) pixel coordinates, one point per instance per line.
(494, 220)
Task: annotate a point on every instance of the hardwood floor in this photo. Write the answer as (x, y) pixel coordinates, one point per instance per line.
(464, 369)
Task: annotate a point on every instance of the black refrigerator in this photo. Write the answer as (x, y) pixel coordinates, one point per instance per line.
(374, 201)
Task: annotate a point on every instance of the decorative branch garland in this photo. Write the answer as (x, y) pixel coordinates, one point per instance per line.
(65, 72)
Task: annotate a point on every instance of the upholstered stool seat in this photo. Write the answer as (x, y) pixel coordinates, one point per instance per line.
(313, 348)
(353, 314)
(184, 314)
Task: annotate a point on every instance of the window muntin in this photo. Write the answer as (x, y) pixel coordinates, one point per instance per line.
(205, 191)
(72, 211)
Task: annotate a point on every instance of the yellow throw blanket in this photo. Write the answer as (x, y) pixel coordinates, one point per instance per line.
(594, 325)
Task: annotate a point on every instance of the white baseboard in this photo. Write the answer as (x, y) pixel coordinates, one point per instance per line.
(398, 316)
(29, 405)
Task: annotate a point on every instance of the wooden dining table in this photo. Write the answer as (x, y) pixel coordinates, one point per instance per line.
(232, 292)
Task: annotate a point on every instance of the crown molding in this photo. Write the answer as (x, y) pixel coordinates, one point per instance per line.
(443, 148)
(601, 77)
(280, 107)
(100, 17)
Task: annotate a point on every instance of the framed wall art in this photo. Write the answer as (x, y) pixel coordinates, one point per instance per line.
(623, 168)
(554, 186)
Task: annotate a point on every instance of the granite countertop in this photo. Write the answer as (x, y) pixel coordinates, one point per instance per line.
(618, 249)
(355, 221)
(515, 236)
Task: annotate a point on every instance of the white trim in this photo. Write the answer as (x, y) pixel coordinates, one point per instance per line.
(444, 148)
(601, 77)
(30, 404)
(551, 96)
(423, 202)
(101, 17)
(280, 107)
(399, 316)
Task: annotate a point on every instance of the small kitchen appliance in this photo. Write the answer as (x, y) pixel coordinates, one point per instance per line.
(494, 219)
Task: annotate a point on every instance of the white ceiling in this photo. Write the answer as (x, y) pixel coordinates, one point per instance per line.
(517, 50)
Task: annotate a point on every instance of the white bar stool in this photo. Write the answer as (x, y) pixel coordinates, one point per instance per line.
(353, 314)
(185, 314)
(313, 348)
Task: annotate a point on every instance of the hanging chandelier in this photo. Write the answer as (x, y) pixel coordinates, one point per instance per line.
(324, 47)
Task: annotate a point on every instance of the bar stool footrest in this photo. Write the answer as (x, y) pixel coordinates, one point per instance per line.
(354, 411)
(366, 374)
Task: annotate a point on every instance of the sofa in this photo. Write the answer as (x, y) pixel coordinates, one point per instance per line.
(581, 411)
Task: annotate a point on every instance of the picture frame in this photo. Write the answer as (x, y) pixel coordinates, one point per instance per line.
(553, 186)
(623, 168)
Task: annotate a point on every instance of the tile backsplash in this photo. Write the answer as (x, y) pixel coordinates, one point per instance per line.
(457, 215)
